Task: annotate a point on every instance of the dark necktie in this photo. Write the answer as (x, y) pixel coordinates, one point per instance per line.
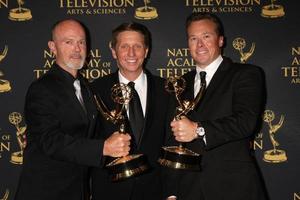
(136, 117)
(201, 83)
(202, 78)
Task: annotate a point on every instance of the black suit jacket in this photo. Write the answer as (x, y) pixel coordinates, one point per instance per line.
(147, 186)
(59, 145)
(230, 112)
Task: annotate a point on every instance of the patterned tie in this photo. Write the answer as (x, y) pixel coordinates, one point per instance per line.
(77, 87)
(136, 117)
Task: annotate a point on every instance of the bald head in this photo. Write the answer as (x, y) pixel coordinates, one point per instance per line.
(69, 45)
(66, 24)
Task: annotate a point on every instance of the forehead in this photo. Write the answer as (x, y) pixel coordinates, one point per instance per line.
(69, 29)
(133, 36)
(202, 26)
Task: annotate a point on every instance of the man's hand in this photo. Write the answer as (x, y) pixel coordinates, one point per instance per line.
(184, 129)
(117, 145)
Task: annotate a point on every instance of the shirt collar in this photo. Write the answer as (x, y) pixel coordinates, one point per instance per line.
(210, 69)
(139, 82)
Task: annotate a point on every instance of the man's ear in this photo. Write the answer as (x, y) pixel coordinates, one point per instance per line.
(146, 54)
(52, 47)
(221, 41)
(113, 51)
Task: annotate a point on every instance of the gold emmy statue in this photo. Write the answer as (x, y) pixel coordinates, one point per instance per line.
(274, 155)
(4, 84)
(131, 165)
(20, 14)
(272, 10)
(146, 12)
(179, 157)
(239, 44)
(5, 197)
(15, 118)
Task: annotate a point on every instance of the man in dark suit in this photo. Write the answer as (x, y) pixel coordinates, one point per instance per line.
(222, 125)
(130, 45)
(61, 119)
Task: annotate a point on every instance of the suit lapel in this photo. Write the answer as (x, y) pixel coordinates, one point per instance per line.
(69, 90)
(188, 93)
(88, 100)
(76, 102)
(149, 105)
(214, 83)
(90, 105)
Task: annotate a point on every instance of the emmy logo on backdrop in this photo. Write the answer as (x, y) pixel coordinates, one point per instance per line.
(15, 118)
(274, 155)
(131, 165)
(272, 10)
(4, 84)
(5, 197)
(20, 14)
(146, 12)
(239, 44)
(296, 195)
(179, 157)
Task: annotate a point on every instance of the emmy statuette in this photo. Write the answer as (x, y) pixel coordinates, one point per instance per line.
(4, 84)
(6, 195)
(15, 118)
(272, 10)
(146, 12)
(274, 155)
(20, 13)
(131, 165)
(179, 157)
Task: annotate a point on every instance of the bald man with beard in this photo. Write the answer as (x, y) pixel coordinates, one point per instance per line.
(61, 118)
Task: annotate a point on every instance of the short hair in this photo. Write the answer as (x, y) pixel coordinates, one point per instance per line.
(56, 24)
(202, 16)
(132, 26)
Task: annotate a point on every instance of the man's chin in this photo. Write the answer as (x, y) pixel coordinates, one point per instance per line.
(75, 66)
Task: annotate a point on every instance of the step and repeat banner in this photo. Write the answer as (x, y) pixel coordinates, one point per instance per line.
(261, 32)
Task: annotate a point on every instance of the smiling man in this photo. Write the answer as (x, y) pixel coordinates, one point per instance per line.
(130, 47)
(61, 119)
(221, 127)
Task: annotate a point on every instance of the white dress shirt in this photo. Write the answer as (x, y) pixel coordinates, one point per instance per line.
(140, 85)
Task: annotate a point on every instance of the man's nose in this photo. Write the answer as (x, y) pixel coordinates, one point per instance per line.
(200, 42)
(131, 51)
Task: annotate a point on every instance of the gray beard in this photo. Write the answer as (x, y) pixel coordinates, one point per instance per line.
(72, 66)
